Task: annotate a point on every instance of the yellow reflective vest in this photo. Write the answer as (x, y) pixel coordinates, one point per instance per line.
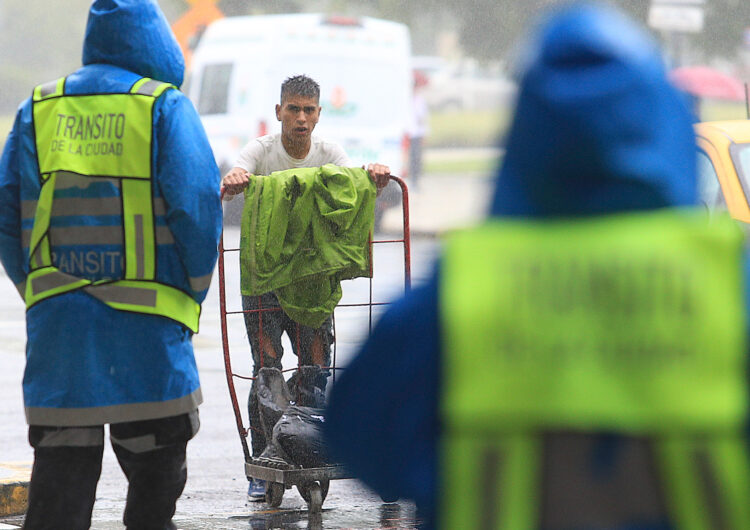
(102, 136)
(632, 324)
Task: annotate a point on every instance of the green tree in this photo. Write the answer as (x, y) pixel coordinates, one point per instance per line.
(490, 28)
(725, 23)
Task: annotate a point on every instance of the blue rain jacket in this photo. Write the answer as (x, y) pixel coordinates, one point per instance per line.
(87, 363)
(597, 130)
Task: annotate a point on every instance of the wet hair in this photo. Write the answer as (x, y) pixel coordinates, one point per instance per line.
(300, 85)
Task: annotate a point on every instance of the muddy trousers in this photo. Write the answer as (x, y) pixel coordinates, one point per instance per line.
(68, 462)
(266, 323)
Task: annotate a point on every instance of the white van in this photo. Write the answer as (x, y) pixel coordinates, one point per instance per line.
(363, 66)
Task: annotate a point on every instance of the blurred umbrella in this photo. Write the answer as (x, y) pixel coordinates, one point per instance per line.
(420, 79)
(706, 82)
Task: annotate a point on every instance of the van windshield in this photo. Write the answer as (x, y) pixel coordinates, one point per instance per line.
(353, 91)
(214, 93)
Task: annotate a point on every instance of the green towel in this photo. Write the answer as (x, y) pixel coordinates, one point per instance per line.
(303, 231)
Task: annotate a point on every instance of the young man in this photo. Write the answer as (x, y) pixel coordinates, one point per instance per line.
(110, 164)
(295, 147)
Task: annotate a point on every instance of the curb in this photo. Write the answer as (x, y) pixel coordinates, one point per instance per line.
(14, 487)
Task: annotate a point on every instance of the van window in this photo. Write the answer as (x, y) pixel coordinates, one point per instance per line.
(740, 154)
(214, 95)
(186, 84)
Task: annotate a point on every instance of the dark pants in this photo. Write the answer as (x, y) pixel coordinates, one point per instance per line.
(266, 323)
(68, 462)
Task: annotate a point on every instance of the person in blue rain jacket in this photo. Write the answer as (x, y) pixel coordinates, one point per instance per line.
(598, 134)
(110, 219)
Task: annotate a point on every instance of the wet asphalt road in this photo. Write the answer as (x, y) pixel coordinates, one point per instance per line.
(215, 495)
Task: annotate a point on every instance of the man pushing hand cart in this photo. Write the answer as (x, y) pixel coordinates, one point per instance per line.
(303, 232)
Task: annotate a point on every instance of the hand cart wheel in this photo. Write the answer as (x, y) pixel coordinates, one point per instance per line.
(274, 494)
(314, 493)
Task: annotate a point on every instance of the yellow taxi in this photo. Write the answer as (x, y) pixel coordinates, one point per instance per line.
(723, 149)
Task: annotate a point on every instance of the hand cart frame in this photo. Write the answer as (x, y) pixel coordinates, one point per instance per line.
(311, 483)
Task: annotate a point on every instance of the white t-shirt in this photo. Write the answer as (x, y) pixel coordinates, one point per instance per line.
(264, 155)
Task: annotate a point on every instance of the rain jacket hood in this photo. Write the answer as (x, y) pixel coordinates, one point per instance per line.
(597, 128)
(144, 44)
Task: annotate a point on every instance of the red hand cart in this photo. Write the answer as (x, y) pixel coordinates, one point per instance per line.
(311, 483)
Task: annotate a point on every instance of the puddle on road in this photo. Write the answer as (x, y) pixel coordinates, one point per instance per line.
(391, 517)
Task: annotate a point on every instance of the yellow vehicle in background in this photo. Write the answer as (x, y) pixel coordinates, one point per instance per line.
(723, 149)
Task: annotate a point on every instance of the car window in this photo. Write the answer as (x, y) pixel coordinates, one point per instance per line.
(709, 190)
(214, 94)
(740, 154)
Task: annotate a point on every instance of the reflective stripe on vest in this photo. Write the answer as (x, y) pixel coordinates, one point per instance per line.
(633, 324)
(102, 136)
